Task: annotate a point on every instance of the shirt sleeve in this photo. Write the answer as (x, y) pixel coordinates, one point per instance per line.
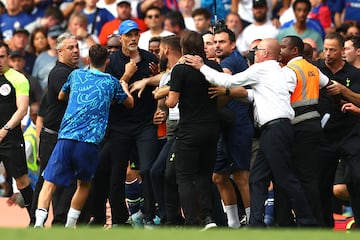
(324, 80)
(66, 87)
(120, 94)
(226, 80)
(177, 75)
(19, 81)
(291, 78)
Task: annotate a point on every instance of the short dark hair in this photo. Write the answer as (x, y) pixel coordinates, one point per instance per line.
(192, 43)
(98, 55)
(155, 39)
(153, 8)
(354, 39)
(173, 42)
(295, 41)
(55, 12)
(201, 11)
(337, 36)
(307, 2)
(2, 44)
(176, 19)
(230, 33)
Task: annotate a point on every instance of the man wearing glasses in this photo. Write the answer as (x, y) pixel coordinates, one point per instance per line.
(154, 20)
(272, 112)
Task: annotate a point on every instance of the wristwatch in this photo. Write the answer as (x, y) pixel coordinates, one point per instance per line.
(7, 127)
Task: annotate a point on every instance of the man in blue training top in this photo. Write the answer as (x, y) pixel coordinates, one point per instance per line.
(82, 128)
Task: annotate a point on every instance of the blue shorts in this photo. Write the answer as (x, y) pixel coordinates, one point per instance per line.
(234, 149)
(71, 160)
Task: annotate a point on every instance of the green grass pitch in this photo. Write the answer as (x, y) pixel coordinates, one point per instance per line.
(174, 234)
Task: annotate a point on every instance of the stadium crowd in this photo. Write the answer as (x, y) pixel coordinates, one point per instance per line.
(193, 113)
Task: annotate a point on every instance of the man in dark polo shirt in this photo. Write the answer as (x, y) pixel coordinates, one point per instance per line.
(337, 142)
(68, 60)
(132, 128)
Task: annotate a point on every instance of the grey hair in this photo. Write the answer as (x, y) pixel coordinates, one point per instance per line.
(60, 39)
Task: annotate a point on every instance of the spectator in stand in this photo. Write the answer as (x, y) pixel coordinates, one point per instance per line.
(38, 41)
(222, 8)
(310, 23)
(202, 18)
(346, 11)
(12, 19)
(260, 28)
(77, 25)
(53, 16)
(243, 8)
(46, 60)
(300, 27)
(174, 22)
(123, 9)
(97, 17)
(154, 20)
(233, 22)
(30, 7)
(163, 5)
(186, 8)
(353, 29)
(19, 42)
(109, 5)
(320, 11)
(17, 62)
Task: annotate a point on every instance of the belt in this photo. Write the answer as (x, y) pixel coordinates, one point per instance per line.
(50, 131)
(278, 120)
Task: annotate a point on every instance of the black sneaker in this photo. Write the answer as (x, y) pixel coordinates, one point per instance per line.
(208, 223)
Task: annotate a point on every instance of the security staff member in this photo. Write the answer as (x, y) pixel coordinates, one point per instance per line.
(304, 80)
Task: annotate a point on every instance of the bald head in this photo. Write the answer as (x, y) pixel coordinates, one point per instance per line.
(267, 49)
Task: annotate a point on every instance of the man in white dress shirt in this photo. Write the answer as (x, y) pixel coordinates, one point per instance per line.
(273, 112)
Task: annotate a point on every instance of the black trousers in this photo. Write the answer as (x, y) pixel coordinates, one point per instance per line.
(273, 159)
(195, 153)
(123, 140)
(351, 155)
(305, 160)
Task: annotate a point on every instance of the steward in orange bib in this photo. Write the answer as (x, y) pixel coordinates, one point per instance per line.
(304, 81)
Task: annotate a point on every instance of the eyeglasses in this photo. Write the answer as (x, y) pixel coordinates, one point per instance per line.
(258, 49)
(153, 16)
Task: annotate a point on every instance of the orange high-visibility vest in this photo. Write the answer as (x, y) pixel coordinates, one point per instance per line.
(306, 92)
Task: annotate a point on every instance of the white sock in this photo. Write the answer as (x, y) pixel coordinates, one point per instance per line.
(247, 212)
(232, 216)
(72, 217)
(40, 215)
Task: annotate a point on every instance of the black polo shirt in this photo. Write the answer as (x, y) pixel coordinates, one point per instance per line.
(339, 123)
(56, 108)
(145, 106)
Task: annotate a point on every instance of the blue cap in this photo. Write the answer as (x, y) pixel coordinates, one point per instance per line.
(126, 26)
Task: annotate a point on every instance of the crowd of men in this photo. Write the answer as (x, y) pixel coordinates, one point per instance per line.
(176, 118)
